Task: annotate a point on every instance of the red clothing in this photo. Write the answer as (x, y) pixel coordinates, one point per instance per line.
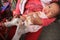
(31, 6)
(34, 5)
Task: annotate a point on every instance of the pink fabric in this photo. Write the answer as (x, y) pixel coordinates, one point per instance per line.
(46, 22)
(33, 5)
(17, 7)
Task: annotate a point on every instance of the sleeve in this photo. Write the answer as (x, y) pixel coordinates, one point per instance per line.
(17, 7)
(46, 22)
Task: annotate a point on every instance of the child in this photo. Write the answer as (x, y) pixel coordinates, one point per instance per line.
(25, 7)
(51, 13)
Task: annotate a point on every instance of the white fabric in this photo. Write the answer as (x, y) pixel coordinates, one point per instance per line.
(44, 2)
(21, 5)
(14, 21)
(33, 28)
(18, 33)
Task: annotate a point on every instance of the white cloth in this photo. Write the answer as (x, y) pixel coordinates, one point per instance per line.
(22, 5)
(14, 21)
(44, 2)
